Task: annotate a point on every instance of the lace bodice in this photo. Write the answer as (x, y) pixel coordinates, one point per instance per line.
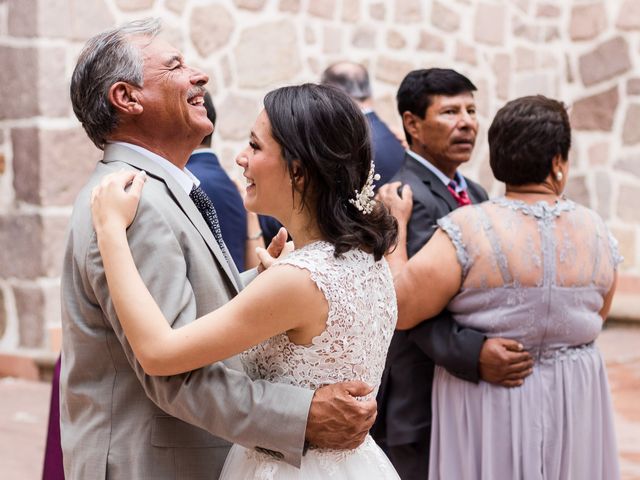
(362, 317)
(534, 272)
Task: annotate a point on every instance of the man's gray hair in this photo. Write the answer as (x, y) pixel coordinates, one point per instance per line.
(107, 58)
(350, 77)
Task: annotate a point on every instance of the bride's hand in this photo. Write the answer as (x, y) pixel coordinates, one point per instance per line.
(399, 204)
(278, 248)
(112, 204)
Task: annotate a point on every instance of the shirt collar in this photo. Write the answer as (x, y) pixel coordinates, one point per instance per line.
(184, 177)
(459, 179)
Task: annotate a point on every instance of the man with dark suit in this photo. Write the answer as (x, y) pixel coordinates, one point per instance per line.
(439, 119)
(239, 238)
(141, 103)
(353, 79)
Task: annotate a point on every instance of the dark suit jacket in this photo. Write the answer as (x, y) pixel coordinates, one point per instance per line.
(227, 201)
(388, 153)
(404, 399)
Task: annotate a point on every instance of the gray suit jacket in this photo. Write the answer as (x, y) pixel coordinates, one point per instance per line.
(118, 422)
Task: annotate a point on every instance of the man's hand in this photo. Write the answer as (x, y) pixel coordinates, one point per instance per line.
(504, 362)
(279, 247)
(337, 419)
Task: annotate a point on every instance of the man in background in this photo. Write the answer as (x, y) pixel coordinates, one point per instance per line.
(353, 79)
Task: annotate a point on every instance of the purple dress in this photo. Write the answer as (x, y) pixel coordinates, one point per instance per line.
(538, 274)
(53, 468)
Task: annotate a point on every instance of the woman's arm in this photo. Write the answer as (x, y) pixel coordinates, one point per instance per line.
(427, 282)
(271, 304)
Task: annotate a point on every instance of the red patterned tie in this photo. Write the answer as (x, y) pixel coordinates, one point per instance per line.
(462, 198)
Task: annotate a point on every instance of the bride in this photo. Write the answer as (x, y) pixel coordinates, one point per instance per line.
(323, 314)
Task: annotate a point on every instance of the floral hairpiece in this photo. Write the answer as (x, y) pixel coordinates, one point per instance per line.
(363, 200)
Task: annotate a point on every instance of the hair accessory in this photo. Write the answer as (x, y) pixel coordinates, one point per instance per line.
(559, 176)
(363, 200)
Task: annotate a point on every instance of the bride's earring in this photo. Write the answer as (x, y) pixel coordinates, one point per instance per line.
(559, 176)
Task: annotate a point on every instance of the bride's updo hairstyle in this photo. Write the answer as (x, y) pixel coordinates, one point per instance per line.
(324, 130)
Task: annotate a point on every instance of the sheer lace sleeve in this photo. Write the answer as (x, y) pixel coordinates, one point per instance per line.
(455, 235)
(616, 258)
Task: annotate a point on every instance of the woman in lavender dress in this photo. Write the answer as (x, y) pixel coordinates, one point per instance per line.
(535, 267)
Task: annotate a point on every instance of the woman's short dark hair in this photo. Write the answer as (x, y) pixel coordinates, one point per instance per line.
(524, 137)
(324, 130)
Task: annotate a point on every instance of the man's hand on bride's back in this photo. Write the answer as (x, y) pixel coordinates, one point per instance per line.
(337, 418)
(114, 201)
(278, 248)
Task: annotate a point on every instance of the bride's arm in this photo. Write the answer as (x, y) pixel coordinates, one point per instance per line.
(271, 304)
(426, 283)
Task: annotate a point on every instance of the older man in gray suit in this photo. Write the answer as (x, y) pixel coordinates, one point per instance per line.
(141, 104)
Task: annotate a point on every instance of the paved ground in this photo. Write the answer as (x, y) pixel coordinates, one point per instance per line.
(24, 411)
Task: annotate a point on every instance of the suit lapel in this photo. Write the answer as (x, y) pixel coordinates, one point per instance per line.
(432, 182)
(120, 153)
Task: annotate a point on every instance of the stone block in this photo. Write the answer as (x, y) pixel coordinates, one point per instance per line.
(39, 18)
(211, 28)
(535, 32)
(587, 21)
(175, 37)
(54, 235)
(631, 129)
(502, 69)
(21, 241)
(176, 6)
(52, 85)
(525, 59)
(595, 112)
(609, 59)
(378, 11)
(407, 11)
(351, 11)
(603, 194)
(278, 59)
(598, 154)
(482, 96)
(548, 10)
(395, 40)
(225, 68)
(534, 83)
(629, 15)
(324, 9)
(254, 5)
(633, 86)
(392, 71)
(236, 117)
(576, 189)
(89, 18)
(627, 207)
(430, 42)
(18, 82)
(364, 37)
(134, 5)
(630, 164)
(3, 164)
(332, 40)
(50, 166)
(444, 18)
(19, 366)
(292, 6)
(489, 24)
(465, 53)
(31, 313)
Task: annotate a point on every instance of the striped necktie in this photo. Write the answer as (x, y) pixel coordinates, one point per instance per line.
(461, 197)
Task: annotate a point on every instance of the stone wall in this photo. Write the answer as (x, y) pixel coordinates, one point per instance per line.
(586, 53)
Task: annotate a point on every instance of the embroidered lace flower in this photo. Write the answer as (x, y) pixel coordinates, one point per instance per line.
(363, 200)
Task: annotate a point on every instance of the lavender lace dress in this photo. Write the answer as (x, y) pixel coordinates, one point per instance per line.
(362, 317)
(536, 273)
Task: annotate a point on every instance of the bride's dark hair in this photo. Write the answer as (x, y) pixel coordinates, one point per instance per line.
(324, 130)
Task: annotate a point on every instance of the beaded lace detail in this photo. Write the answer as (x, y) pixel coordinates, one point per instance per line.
(361, 320)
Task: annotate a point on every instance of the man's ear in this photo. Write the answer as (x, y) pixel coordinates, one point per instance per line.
(124, 98)
(410, 123)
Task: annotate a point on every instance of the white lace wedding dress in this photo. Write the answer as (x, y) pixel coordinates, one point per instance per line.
(361, 320)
